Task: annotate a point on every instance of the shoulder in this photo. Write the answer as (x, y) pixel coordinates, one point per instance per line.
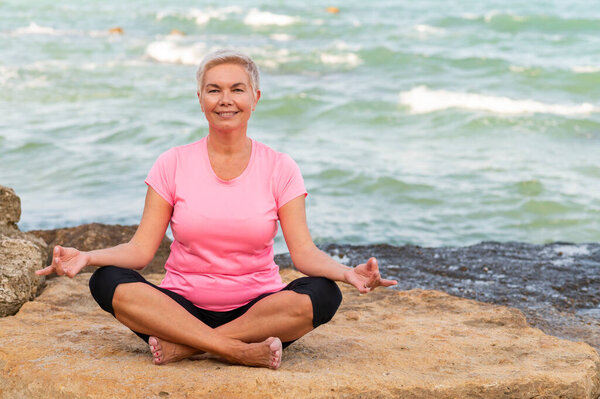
(181, 151)
(272, 157)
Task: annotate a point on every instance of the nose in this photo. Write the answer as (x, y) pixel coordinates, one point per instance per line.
(225, 97)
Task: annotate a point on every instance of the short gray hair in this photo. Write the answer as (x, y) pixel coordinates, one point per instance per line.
(228, 56)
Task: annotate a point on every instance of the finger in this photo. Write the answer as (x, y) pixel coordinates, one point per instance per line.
(388, 283)
(373, 280)
(359, 284)
(45, 271)
(58, 265)
(372, 264)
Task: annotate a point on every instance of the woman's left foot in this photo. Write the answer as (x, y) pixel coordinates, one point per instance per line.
(164, 352)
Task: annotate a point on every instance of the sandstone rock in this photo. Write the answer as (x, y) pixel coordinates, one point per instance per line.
(19, 259)
(96, 236)
(10, 207)
(411, 344)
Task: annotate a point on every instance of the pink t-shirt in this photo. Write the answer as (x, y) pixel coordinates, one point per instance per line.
(222, 254)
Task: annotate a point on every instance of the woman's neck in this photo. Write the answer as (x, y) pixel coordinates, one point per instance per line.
(229, 143)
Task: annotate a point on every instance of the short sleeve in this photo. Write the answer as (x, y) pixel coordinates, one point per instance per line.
(162, 176)
(289, 183)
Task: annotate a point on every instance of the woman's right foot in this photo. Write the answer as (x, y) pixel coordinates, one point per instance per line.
(164, 352)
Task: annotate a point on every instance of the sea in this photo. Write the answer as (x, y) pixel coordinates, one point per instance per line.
(433, 123)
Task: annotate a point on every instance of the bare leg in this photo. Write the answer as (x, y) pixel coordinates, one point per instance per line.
(286, 314)
(147, 310)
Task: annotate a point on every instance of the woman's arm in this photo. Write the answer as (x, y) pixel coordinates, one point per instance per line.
(311, 261)
(135, 254)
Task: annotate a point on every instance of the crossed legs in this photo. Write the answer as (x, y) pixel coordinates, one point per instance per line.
(253, 339)
(175, 330)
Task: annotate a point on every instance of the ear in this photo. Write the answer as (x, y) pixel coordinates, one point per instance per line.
(257, 97)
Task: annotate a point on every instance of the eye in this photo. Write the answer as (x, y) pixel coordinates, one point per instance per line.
(238, 90)
(213, 91)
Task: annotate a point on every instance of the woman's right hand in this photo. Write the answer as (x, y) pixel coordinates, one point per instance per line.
(65, 261)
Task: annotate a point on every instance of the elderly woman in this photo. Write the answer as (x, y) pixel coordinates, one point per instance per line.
(223, 195)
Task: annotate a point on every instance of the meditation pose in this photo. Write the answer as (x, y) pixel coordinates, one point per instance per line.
(222, 195)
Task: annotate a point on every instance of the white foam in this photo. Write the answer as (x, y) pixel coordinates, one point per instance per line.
(6, 74)
(493, 13)
(272, 59)
(586, 69)
(519, 69)
(470, 16)
(427, 29)
(422, 100)
(571, 250)
(281, 37)
(263, 18)
(35, 29)
(168, 51)
(349, 59)
(490, 14)
(201, 17)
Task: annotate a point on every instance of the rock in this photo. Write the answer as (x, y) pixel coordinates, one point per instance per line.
(556, 285)
(19, 259)
(92, 236)
(10, 207)
(409, 344)
(21, 255)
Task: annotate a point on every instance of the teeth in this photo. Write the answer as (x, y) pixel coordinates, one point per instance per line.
(227, 113)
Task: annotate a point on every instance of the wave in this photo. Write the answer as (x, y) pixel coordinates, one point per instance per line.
(507, 20)
(264, 18)
(427, 29)
(281, 37)
(6, 75)
(170, 52)
(586, 69)
(35, 29)
(349, 59)
(423, 100)
(201, 17)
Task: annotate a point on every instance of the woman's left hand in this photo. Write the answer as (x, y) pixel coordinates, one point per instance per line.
(365, 277)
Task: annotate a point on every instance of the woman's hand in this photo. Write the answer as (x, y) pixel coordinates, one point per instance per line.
(65, 261)
(365, 277)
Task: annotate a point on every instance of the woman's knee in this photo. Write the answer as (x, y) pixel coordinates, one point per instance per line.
(104, 282)
(328, 297)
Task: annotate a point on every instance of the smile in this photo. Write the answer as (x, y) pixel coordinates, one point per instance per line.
(227, 114)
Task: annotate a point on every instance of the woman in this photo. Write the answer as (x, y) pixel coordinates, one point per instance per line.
(223, 195)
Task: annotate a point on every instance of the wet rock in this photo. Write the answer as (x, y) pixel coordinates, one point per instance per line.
(556, 285)
(413, 344)
(19, 259)
(92, 236)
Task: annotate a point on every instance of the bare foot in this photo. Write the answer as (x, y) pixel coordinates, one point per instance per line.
(263, 354)
(164, 352)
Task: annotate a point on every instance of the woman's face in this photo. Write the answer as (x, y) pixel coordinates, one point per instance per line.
(227, 98)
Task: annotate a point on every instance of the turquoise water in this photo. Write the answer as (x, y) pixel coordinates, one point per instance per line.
(432, 123)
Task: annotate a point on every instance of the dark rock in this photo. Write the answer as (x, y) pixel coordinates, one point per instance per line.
(556, 285)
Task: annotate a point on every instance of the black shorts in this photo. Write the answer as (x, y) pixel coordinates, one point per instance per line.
(324, 295)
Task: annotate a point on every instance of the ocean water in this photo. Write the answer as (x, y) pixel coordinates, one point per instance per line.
(433, 123)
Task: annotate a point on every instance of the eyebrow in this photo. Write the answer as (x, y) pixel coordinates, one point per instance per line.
(218, 87)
